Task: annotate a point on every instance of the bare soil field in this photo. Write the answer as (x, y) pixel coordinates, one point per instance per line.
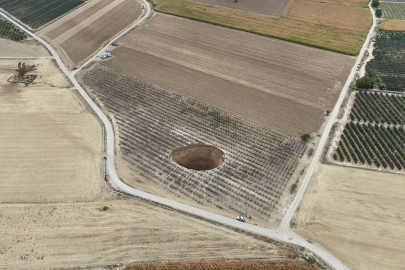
(393, 25)
(344, 32)
(357, 215)
(224, 265)
(63, 235)
(259, 79)
(26, 48)
(267, 7)
(86, 30)
(51, 144)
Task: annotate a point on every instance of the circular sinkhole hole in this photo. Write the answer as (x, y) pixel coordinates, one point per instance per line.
(198, 157)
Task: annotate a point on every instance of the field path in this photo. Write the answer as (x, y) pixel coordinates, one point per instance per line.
(285, 235)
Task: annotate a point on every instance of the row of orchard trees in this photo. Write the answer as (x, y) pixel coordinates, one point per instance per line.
(372, 144)
(8, 30)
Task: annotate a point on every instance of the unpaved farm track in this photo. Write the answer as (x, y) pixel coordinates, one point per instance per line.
(280, 85)
(80, 34)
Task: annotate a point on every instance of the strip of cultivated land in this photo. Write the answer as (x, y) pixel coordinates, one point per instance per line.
(333, 25)
(374, 135)
(279, 85)
(70, 235)
(259, 168)
(395, 11)
(80, 34)
(50, 143)
(357, 215)
(36, 13)
(267, 7)
(224, 265)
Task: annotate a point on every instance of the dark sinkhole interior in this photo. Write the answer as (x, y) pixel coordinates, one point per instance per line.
(198, 157)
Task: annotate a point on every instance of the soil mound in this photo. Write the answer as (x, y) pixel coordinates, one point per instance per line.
(198, 157)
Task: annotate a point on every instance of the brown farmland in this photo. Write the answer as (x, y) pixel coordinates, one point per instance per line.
(356, 215)
(224, 265)
(267, 7)
(77, 36)
(280, 85)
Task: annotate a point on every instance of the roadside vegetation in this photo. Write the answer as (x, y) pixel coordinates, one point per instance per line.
(9, 31)
(342, 33)
(36, 13)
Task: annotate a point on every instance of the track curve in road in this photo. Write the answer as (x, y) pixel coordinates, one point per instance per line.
(285, 234)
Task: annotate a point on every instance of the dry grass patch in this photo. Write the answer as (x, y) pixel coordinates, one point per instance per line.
(357, 215)
(69, 235)
(50, 143)
(393, 25)
(327, 35)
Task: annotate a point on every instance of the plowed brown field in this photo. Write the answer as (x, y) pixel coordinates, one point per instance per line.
(81, 33)
(276, 84)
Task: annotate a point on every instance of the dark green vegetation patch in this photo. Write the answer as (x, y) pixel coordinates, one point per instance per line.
(8, 30)
(389, 59)
(38, 12)
(367, 142)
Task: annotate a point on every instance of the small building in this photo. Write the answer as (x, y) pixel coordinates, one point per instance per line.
(105, 55)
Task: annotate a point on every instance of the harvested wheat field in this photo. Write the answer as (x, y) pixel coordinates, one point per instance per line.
(357, 215)
(268, 7)
(78, 35)
(68, 235)
(224, 264)
(393, 25)
(279, 85)
(26, 48)
(350, 15)
(50, 143)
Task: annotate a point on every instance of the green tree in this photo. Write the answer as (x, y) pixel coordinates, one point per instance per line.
(375, 3)
(365, 82)
(378, 13)
(305, 137)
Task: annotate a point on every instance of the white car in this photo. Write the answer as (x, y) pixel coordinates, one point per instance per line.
(358, 67)
(240, 218)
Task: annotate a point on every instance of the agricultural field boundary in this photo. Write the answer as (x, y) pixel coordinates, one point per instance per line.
(285, 224)
(285, 236)
(315, 35)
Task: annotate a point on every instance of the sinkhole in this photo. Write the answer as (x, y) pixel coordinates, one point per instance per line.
(198, 157)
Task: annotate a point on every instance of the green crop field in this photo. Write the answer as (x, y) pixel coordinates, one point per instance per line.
(375, 134)
(389, 59)
(38, 12)
(395, 11)
(8, 30)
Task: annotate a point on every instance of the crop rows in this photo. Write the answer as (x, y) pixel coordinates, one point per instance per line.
(378, 108)
(225, 265)
(395, 11)
(367, 142)
(8, 30)
(151, 122)
(38, 12)
(389, 59)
